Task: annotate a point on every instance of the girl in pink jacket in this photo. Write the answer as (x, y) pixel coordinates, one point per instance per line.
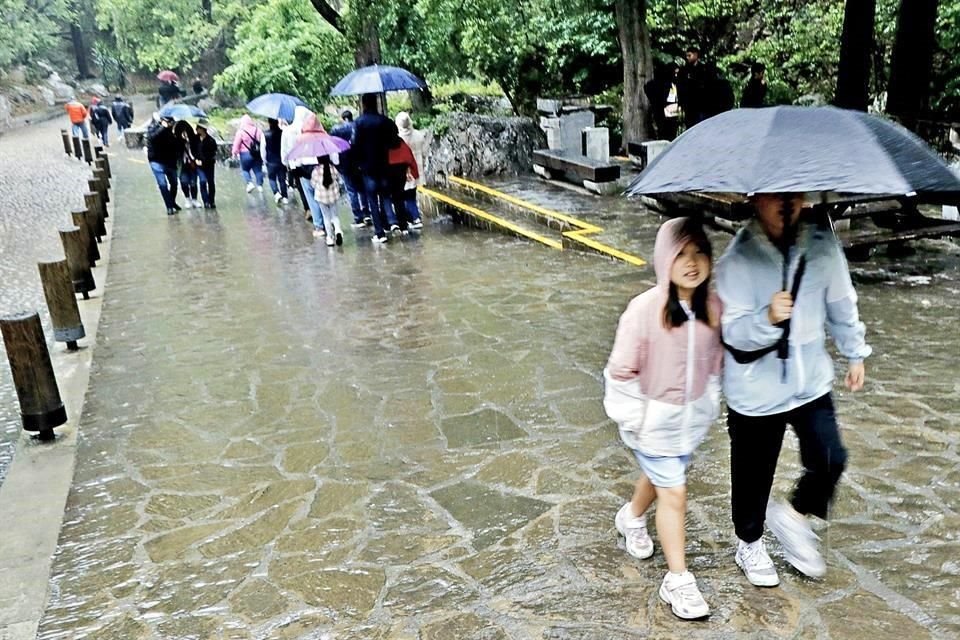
(662, 388)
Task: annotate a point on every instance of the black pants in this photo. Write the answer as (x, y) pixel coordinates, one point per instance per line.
(755, 443)
(208, 185)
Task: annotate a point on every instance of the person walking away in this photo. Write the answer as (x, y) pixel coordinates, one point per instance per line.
(662, 94)
(767, 387)
(205, 151)
(122, 114)
(163, 150)
(755, 91)
(402, 172)
(350, 173)
(693, 85)
(287, 141)
(303, 169)
(101, 120)
(247, 147)
(276, 171)
(373, 135)
(417, 141)
(168, 92)
(325, 181)
(78, 118)
(188, 163)
(662, 388)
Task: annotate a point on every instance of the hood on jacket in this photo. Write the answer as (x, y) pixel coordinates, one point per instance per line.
(671, 238)
(311, 124)
(248, 126)
(404, 124)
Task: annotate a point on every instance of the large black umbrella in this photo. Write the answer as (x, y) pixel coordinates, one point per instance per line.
(799, 149)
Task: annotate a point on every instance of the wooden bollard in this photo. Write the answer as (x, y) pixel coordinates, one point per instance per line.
(77, 261)
(77, 151)
(67, 146)
(105, 159)
(103, 187)
(85, 222)
(95, 206)
(62, 302)
(87, 150)
(101, 164)
(40, 406)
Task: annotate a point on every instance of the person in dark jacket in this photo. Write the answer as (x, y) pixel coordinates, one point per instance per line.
(372, 137)
(755, 91)
(122, 114)
(188, 162)
(276, 170)
(350, 173)
(662, 94)
(163, 152)
(205, 151)
(169, 91)
(693, 86)
(101, 120)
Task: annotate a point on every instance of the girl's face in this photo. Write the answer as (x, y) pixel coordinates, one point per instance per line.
(690, 269)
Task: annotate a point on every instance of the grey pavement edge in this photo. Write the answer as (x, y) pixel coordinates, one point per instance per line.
(34, 493)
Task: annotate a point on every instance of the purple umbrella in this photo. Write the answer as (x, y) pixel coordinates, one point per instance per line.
(315, 145)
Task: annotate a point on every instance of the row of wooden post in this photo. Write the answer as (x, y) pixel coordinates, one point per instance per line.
(41, 408)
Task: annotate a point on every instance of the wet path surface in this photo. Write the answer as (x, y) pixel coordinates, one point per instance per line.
(39, 185)
(288, 441)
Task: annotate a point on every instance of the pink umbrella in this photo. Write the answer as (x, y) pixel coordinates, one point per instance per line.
(315, 145)
(168, 76)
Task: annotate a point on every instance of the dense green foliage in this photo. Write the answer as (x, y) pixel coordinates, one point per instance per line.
(31, 29)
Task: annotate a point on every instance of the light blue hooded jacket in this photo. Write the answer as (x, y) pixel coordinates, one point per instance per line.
(747, 276)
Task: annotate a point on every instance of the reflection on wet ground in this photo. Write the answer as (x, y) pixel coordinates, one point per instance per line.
(288, 441)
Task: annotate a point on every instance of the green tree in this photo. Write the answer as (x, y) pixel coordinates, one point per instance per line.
(32, 29)
(286, 47)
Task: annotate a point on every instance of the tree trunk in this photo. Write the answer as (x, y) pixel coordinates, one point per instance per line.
(910, 64)
(856, 47)
(206, 6)
(634, 39)
(80, 51)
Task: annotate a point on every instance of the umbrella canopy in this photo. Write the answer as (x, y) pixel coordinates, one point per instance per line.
(799, 149)
(377, 78)
(316, 145)
(182, 111)
(279, 106)
(168, 76)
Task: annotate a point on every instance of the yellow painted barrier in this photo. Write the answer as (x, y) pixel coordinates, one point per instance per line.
(582, 229)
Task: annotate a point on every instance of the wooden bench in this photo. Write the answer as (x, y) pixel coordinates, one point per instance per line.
(576, 168)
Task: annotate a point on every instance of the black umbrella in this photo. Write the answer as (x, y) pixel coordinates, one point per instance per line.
(798, 150)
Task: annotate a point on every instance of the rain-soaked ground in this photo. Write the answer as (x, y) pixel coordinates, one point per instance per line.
(39, 185)
(284, 441)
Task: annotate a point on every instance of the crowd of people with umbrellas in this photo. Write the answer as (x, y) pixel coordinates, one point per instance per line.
(373, 160)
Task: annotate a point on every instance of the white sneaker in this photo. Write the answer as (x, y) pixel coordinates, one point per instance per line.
(329, 241)
(260, 188)
(379, 239)
(277, 197)
(417, 224)
(681, 593)
(317, 233)
(285, 200)
(249, 187)
(634, 532)
(188, 204)
(756, 564)
(197, 204)
(798, 539)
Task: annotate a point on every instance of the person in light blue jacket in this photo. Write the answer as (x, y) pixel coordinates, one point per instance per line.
(769, 383)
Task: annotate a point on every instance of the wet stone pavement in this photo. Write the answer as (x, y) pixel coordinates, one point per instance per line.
(39, 185)
(285, 441)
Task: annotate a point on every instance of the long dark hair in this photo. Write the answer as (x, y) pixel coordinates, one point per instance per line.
(327, 174)
(673, 313)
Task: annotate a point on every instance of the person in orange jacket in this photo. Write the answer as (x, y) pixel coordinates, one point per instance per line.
(78, 118)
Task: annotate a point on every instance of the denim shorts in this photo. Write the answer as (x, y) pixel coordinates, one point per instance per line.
(664, 471)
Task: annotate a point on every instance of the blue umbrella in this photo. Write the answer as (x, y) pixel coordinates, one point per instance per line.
(182, 111)
(279, 106)
(377, 78)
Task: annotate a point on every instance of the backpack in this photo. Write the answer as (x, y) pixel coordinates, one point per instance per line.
(254, 148)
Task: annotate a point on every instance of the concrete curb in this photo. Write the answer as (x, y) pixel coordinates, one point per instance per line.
(34, 493)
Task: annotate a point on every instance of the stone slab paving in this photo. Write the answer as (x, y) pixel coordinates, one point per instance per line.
(406, 442)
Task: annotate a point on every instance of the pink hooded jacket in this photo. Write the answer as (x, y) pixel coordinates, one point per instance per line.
(246, 134)
(662, 384)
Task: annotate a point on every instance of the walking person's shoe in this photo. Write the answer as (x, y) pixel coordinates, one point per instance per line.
(368, 221)
(756, 564)
(394, 228)
(417, 224)
(249, 187)
(634, 532)
(318, 233)
(260, 188)
(329, 241)
(680, 591)
(379, 239)
(357, 224)
(171, 211)
(188, 204)
(799, 541)
(277, 197)
(338, 235)
(284, 200)
(176, 207)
